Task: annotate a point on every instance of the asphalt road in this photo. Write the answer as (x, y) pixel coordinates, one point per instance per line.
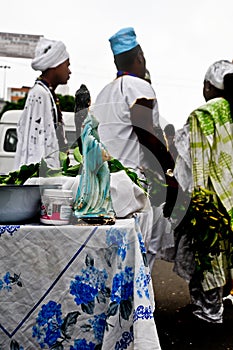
(181, 333)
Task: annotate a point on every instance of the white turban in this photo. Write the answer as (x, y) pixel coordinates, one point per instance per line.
(216, 72)
(49, 54)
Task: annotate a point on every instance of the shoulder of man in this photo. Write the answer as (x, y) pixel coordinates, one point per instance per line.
(134, 88)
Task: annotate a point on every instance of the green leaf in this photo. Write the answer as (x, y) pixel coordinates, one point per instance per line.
(132, 175)
(115, 165)
(77, 155)
(214, 240)
(62, 156)
(72, 170)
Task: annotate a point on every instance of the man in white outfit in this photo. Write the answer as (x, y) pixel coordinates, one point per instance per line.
(40, 129)
(127, 111)
(127, 106)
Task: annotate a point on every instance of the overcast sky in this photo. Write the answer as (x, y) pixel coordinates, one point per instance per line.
(180, 39)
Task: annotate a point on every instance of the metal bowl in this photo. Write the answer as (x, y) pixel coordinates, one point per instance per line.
(20, 204)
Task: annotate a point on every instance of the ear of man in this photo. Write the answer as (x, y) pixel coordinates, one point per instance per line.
(140, 57)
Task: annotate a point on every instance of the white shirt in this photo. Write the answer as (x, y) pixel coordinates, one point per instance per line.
(36, 131)
(112, 110)
(183, 165)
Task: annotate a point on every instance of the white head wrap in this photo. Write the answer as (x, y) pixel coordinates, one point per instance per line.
(216, 72)
(49, 54)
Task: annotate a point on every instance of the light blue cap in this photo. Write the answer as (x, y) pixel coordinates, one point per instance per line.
(124, 40)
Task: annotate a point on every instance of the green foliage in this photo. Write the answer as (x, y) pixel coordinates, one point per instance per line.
(77, 155)
(158, 188)
(67, 102)
(208, 226)
(115, 165)
(18, 177)
(13, 105)
(41, 169)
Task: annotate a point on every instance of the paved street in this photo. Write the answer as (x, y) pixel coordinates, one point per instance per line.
(171, 293)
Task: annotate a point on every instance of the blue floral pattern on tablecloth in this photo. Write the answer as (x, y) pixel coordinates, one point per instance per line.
(118, 237)
(48, 324)
(122, 287)
(88, 286)
(125, 341)
(98, 324)
(142, 282)
(8, 229)
(140, 239)
(100, 293)
(122, 294)
(82, 344)
(143, 312)
(8, 281)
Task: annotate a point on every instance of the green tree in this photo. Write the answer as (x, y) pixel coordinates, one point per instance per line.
(13, 105)
(67, 102)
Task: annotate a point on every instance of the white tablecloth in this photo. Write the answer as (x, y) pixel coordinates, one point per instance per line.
(75, 287)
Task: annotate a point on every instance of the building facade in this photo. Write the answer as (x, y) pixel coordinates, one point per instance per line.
(15, 94)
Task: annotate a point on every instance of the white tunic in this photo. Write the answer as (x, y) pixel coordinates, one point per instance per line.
(112, 110)
(36, 132)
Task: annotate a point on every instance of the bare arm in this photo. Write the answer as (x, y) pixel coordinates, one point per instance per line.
(141, 117)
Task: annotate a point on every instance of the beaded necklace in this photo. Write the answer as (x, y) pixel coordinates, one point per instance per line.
(120, 73)
(55, 98)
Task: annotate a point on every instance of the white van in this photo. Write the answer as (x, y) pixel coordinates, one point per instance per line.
(8, 136)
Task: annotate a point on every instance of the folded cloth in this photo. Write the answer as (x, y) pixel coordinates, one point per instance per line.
(127, 197)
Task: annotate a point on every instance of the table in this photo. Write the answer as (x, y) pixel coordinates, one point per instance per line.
(75, 287)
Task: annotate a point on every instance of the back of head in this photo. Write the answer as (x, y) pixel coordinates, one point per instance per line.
(228, 83)
(169, 130)
(124, 47)
(123, 41)
(228, 90)
(49, 54)
(220, 76)
(216, 72)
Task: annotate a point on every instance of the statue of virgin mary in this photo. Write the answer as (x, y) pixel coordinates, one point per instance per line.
(93, 203)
